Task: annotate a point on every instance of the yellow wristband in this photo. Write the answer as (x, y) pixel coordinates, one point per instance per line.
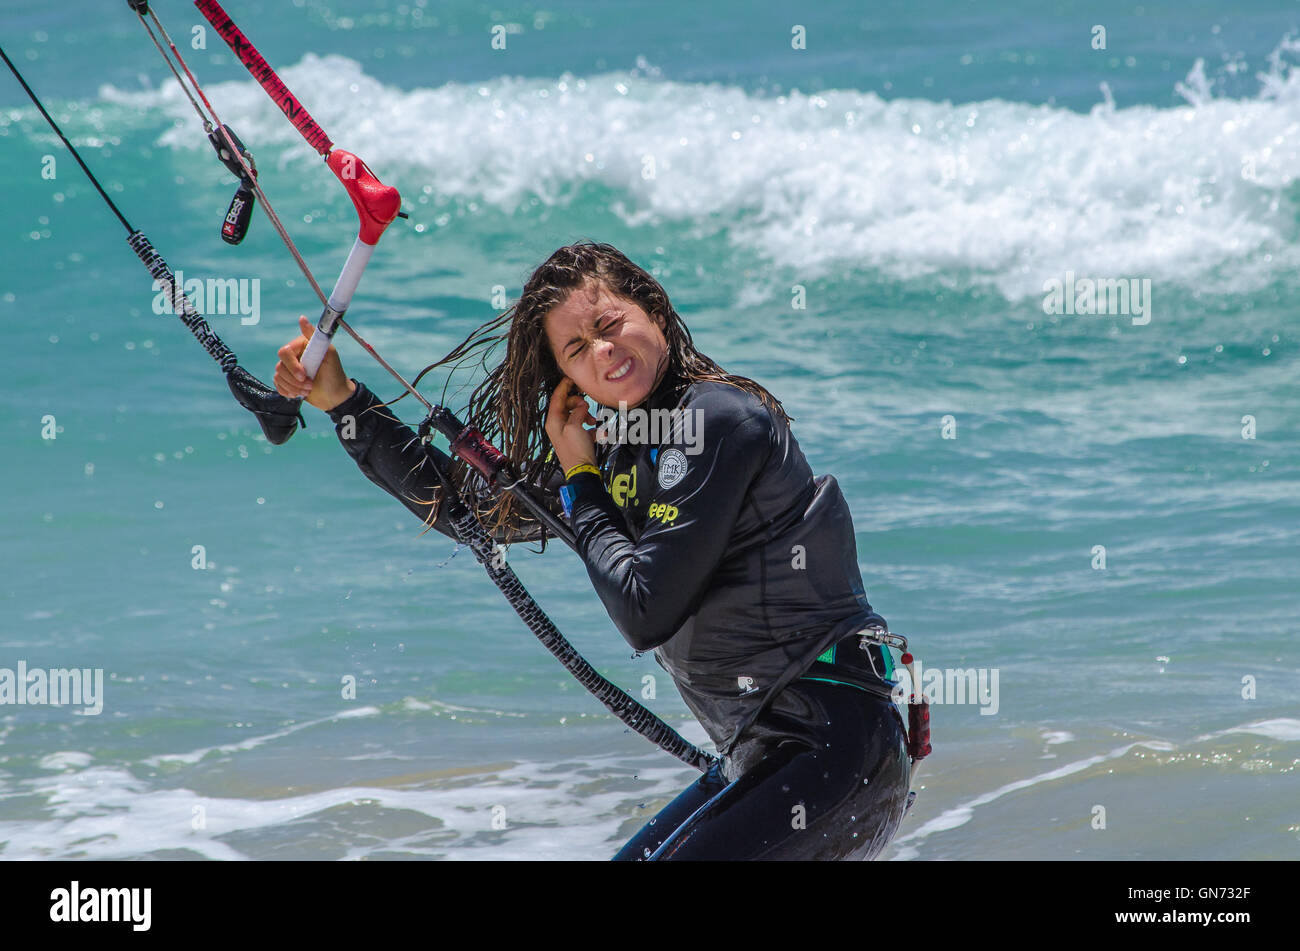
(585, 467)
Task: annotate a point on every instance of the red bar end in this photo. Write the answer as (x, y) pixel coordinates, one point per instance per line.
(377, 204)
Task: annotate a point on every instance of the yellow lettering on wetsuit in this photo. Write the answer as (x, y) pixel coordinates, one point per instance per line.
(663, 511)
(623, 488)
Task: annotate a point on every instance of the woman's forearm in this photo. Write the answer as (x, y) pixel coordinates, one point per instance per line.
(388, 452)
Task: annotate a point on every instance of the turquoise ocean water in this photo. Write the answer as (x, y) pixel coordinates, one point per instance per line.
(921, 170)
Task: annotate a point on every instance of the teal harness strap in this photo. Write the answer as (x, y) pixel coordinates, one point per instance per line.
(889, 663)
(828, 673)
(825, 670)
(832, 674)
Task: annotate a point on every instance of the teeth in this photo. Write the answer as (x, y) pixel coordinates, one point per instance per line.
(622, 371)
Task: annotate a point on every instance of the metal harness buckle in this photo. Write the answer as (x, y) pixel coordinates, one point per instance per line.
(869, 636)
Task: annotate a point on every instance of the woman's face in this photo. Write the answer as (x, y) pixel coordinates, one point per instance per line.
(607, 344)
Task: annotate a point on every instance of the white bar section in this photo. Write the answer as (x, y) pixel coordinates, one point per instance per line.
(339, 299)
(350, 276)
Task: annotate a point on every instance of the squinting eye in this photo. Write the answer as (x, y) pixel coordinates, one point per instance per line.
(616, 322)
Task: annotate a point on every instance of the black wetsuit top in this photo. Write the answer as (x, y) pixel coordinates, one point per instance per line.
(713, 545)
(718, 549)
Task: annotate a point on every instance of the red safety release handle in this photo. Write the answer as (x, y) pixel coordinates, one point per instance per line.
(377, 204)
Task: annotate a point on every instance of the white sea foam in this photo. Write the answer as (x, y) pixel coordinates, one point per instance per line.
(253, 742)
(66, 760)
(106, 813)
(441, 705)
(576, 811)
(1002, 193)
(1281, 728)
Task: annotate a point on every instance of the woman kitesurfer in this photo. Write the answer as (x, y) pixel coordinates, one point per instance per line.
(708, 539)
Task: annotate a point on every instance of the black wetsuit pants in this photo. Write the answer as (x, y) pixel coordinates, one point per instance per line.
(823, 774)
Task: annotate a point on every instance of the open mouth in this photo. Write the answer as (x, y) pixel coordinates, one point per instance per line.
(622, 370)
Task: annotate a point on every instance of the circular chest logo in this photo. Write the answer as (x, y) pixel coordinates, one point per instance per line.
(672, 468)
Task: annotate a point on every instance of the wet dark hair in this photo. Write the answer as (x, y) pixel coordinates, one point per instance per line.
(509, 407)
